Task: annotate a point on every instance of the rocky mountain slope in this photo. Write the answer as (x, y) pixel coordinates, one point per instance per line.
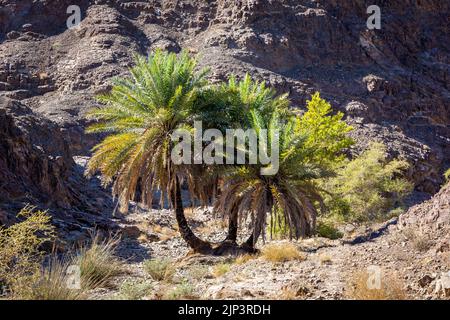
(392, 83)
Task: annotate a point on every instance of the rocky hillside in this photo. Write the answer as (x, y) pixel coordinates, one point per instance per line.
(392, 83)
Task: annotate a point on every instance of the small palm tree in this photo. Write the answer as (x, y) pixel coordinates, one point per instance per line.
(288, 196)
(140, 114)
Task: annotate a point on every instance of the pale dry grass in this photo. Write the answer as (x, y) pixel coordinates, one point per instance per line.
(281, 252)
(164, 233)
(97, 262)
(243, 259)
(325, 259)
(358, 288)
(220, 269)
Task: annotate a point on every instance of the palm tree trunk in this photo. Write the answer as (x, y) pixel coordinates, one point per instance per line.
(249, 245)
(187, 234)
(232, 226)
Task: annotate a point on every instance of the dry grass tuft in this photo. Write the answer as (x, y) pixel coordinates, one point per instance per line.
(97, 262)
(220, 269)
(55, 283)
(358, 288)
(325, 259)
(281, 252)
(243, 259)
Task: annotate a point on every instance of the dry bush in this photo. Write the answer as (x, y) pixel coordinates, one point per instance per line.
(242, 259)
(358, 288)
(281, 252)
(160, 269)
(420, 242)
(220, 269)
(325, 259)
(97, 262)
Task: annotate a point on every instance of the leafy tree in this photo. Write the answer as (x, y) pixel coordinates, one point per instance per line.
(327, 133)
(368, 186)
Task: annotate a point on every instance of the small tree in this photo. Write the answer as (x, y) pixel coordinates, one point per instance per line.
(326, 133)
(367, 187)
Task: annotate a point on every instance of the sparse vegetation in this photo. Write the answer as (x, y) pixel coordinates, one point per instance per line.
(447, 175)
(422, 243)
(220, 269)
(358, 288)
(185, 290)
(134, 289)
(281, 252)
(97, 262)
(20, 250)
(199, 272)
(160, 269)
(419, 241)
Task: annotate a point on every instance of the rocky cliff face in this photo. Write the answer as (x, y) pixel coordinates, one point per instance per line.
(37, 167)
(393, 83)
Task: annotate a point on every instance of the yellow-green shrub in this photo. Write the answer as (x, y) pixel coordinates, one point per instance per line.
(20, 250)
(367, 187)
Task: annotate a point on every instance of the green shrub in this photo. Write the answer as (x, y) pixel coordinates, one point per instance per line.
(367, 187)
(328, 230)
(326, 132)
(132, 289)
(447, 175)
(160, 269)
(185, 290)
(20, 250)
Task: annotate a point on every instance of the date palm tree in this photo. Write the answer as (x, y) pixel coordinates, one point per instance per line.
(140, 114)
(229, 106)
(288, 196)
